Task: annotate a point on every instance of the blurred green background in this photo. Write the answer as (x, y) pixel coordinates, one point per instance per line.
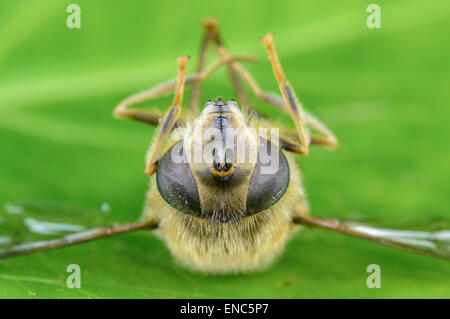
(384, 92)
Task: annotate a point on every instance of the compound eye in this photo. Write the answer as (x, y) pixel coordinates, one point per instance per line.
(176, 183)
(270, 178)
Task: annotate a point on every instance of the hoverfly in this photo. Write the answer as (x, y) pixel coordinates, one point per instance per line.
(222, 214)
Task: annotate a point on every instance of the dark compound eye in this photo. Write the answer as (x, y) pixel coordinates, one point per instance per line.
(178, 187)
(176, 183)
(267, 187)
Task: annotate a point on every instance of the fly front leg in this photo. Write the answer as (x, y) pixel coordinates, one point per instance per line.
(326, 137)
(295, 107)
(169, 118)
